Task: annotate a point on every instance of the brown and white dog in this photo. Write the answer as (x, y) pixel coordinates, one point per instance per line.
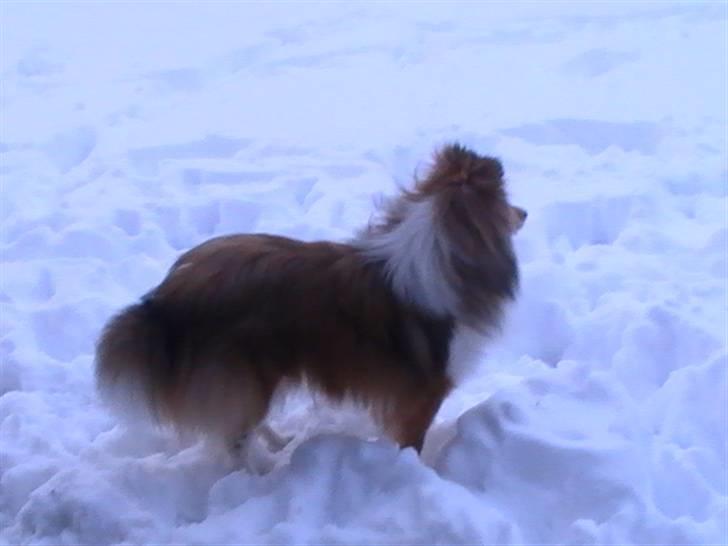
(372, 320)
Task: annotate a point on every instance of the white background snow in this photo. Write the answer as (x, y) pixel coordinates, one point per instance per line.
(132, 131)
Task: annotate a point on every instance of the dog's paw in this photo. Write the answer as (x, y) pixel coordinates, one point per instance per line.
(276, 441)
(250, 452)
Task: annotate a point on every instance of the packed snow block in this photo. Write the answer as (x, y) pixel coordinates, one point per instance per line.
(342, 490)
(598, 61)
(151, 242)
(28, 284)
(34, 243)
(128, 220)
(175, 80)
(78, 507)
(19, 482)
(147, 160)
(39, 62)
(204, 218)
(551, 331)
(598, 221)
(177, 232)
(688, 415)
(64, 332)
(69, 149)
(715, 248)
(174, 489)
(593, 136)
(238, 216)
(552, 451)
(541, 321)
(193, 176)
(607, 323)
(85, 242)
(662, 341)
(11, 376)
(138, 274)
(305, 191)
(694, 184)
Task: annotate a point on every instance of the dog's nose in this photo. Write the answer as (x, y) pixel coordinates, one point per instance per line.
(518, 217)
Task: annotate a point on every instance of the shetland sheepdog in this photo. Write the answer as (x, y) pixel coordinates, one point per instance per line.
(372, 320)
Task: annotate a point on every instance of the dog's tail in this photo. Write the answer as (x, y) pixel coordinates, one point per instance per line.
(150, 365)
(133, 357)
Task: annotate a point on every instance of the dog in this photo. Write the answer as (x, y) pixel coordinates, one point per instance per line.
(372, 320)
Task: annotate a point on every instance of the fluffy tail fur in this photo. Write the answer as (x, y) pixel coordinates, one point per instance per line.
(132, 355)
(145, 369)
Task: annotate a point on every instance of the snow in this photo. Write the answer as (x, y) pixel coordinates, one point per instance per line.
(131, 132)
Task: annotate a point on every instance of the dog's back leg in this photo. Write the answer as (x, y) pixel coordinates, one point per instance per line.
(414, 411)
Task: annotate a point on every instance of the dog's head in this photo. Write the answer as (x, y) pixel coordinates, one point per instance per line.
(475, 223)
(468, 191)
(447, 242)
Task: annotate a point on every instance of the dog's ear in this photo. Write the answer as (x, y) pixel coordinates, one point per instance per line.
(491, 169)
(456, 164)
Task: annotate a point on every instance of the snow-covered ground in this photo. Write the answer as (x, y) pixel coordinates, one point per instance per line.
(131, 131)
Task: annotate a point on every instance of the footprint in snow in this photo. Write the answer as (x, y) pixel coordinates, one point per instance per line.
(146, 160)
(593, 136)
(128, 221)
(69, 149)
(201, 177)
(596, 222)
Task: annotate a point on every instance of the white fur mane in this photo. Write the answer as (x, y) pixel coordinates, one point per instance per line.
(414, 252)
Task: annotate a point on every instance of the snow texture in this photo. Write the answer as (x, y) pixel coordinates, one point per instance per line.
(132, 131)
